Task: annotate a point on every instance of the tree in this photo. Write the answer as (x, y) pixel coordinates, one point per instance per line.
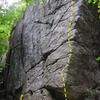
(7, 17)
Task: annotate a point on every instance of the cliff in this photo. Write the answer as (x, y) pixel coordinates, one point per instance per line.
(39, 49)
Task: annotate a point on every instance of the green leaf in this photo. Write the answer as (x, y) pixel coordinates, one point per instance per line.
(89, 1)
(98, 3)
(98, 58)
(98, 6)
(98, 10)
(41, 1)
(94, 1)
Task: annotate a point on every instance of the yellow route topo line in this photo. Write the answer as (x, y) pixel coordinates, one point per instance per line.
(21, 97)
(69, 57)
(70, 49)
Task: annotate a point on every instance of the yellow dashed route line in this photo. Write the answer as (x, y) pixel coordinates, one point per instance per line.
(70, 49)
(21, 97)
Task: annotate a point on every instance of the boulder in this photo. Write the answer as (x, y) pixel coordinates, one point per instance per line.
(38, 50)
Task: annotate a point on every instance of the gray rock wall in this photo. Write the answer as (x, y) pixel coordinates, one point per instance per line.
(39, 50)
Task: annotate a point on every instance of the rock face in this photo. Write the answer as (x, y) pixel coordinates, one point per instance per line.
(2, 90)
(39, 49)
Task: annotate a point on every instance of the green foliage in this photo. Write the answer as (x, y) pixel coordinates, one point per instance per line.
(27, 1)
(41, 1)
(7, 17)
(97, 2)
(98, 58)
(32, 1)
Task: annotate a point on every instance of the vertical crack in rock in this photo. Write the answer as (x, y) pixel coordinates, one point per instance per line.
(21, 41)
(22, 47)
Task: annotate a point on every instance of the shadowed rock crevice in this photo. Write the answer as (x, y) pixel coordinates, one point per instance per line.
(57, 93)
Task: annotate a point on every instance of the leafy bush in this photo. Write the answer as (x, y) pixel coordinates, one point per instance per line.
(7, 17)
(97, 2)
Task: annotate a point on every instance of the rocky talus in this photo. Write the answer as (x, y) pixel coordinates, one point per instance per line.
(38, 50)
